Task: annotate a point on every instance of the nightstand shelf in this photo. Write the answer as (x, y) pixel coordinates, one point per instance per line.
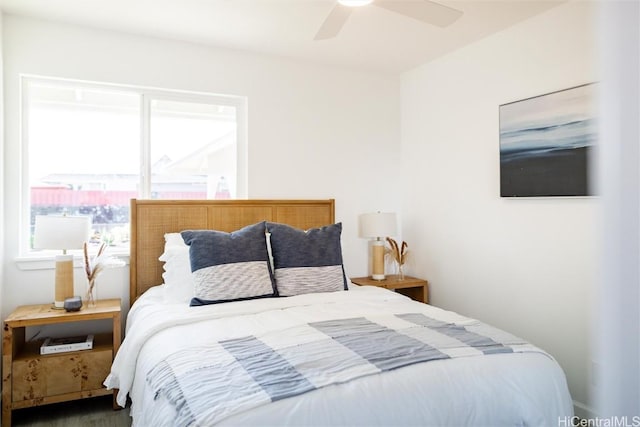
(31, 349)
(412, 287)
(31, 379)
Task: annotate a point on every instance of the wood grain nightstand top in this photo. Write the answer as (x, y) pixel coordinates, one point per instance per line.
(412, 287)
(39, 314)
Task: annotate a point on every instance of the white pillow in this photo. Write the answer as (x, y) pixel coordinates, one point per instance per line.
(174, 240)
(178, 280)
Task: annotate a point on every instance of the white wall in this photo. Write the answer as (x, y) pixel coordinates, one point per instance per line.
(617, 322)
(314, 131)
(1, 163)
(525, 265)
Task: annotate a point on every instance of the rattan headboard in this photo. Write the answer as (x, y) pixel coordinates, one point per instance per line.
(151, 219)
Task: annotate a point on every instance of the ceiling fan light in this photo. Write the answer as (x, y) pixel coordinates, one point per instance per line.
(355, 3)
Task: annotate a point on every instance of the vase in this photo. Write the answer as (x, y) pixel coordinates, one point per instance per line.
(91, 297)
(400, 270)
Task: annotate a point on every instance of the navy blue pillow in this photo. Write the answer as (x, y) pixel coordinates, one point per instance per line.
(230, 266)
(307, 261)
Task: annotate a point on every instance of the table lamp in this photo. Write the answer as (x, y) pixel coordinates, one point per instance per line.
(377, 226)
(61, 232)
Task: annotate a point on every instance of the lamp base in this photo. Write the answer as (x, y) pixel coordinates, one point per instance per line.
(378, 260)
(64, 280)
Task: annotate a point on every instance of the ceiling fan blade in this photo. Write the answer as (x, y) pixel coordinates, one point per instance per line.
(422, 10)
(334, 22)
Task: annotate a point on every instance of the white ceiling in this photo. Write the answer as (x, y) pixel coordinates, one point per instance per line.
(373, 38)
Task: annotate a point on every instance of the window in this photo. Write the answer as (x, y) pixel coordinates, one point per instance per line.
(89, 148)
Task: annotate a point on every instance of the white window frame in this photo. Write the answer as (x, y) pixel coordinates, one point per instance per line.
(147, 95)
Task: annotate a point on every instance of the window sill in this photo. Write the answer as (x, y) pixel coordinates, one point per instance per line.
(48, 262)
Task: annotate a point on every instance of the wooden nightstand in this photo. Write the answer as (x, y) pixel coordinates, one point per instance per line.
(30, 379)
(412, 287)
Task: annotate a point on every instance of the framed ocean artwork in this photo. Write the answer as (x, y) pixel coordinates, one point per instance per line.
(546, 142)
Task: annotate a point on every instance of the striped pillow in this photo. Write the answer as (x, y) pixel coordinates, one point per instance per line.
(307, 261)
(229, 266)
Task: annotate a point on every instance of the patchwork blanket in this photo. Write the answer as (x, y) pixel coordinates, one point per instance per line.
(209, 383)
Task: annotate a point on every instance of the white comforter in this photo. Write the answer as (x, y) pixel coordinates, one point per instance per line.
(500, 389)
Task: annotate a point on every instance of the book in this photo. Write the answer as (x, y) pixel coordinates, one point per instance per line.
(66, 344)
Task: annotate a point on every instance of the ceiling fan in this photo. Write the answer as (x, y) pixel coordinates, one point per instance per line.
(422, 10)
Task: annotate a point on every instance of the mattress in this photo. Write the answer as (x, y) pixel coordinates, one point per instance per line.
(521, 387)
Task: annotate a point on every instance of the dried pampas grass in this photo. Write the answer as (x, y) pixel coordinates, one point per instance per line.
(94, 266)
(399, 253)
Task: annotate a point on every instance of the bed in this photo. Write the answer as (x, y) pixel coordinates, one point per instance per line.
(325, 356)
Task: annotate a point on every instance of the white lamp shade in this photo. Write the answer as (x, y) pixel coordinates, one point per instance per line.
(378, 224)
(61, 232)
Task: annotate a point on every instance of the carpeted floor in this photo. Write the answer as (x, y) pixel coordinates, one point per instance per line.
(94, 412)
